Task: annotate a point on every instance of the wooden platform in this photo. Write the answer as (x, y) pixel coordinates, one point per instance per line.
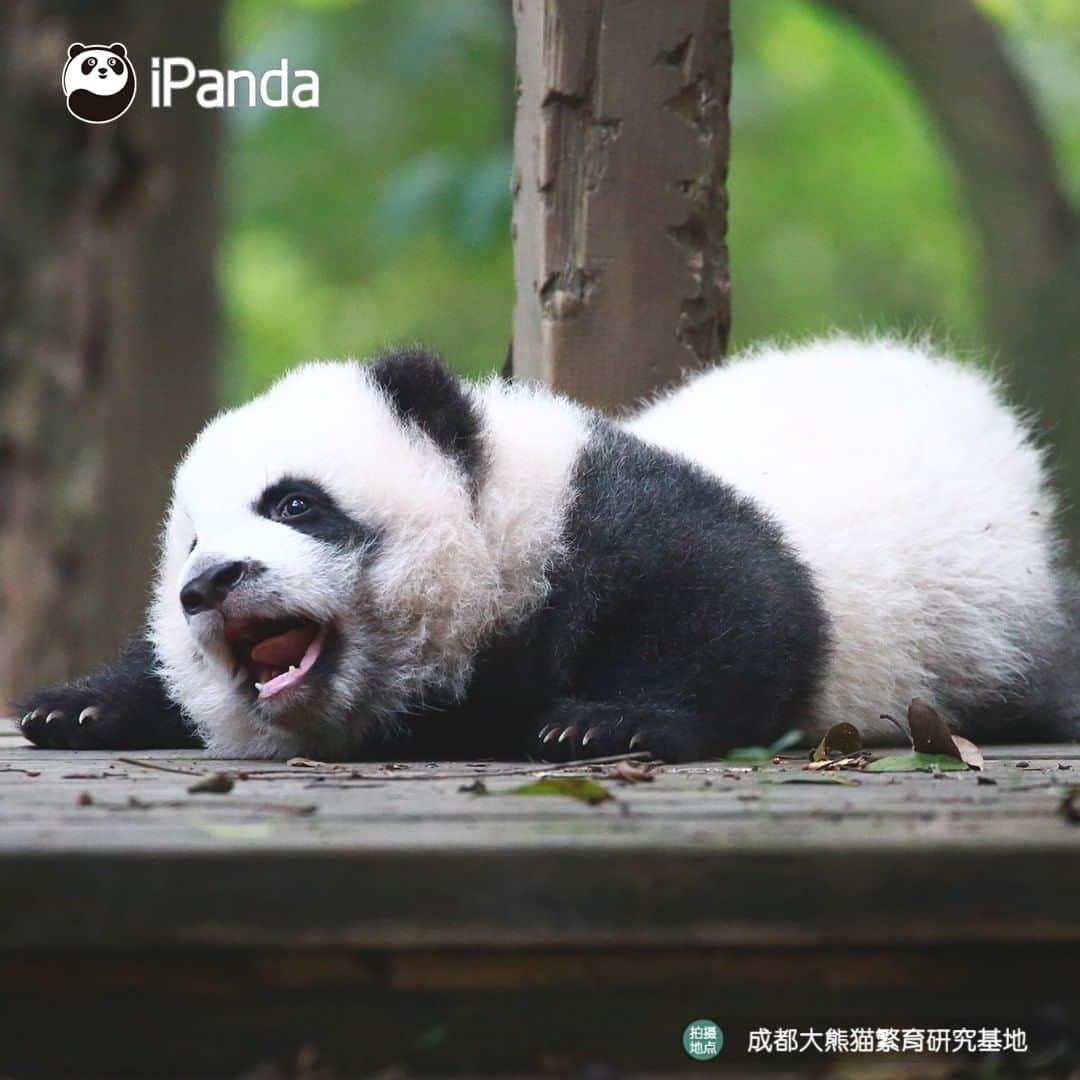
(379, 917)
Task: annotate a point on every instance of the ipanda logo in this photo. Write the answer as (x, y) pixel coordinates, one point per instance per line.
(99, 84)
(98, 81)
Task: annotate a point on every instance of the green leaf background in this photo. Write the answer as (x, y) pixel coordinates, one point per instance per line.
(384, 215)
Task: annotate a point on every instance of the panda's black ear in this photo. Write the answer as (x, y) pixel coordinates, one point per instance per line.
(75, 48)
(423, 391)
(119, 48)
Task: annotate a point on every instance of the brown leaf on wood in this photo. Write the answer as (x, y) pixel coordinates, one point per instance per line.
(215, 784)
(931, 735)
(970, 754)
(841, 739)
(631, 772)
(307, 763)
(477, 787)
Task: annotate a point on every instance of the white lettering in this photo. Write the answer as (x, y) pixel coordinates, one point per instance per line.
(211, 92)
(169, 82)
(310, 85)
(281, 74)
(276, 88)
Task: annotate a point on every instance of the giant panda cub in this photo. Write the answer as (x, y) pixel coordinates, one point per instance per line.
(382, 561)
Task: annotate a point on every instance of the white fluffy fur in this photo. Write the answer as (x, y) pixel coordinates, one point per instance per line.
(410, 621)
(914, 493)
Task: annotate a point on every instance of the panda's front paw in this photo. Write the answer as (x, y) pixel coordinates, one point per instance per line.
(575, 730)
(64, 718)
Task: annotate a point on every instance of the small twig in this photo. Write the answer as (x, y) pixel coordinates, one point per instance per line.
(160, 768)
(135, 803)
(538, 769)
(15, 768)
(899, 727)
(340, 771)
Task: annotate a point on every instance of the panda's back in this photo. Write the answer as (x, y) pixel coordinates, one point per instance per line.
(913, 492)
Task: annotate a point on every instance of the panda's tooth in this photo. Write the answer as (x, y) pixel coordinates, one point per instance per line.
(258, 686)
(292, 667)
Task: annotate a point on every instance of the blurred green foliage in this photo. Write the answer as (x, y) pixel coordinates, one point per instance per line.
(384, 215)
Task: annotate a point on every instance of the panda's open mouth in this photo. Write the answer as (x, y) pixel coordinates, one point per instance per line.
(276, 654)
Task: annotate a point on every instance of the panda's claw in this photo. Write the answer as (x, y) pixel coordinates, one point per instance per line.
(549, 733)
(56, 714)
(568, 733)
(587, 737)
(91, 712)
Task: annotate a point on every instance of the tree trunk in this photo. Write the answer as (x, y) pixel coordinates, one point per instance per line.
(621, 148)
(108, 326)
(1029, 233)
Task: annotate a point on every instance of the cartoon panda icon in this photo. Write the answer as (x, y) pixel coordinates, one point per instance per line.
(99, 82)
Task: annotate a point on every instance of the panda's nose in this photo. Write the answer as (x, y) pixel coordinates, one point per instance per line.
(207, 589)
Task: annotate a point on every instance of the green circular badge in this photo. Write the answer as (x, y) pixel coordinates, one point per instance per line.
(703, 1039)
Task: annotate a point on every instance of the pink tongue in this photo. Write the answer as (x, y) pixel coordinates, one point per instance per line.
(314, 639)
(285, 649)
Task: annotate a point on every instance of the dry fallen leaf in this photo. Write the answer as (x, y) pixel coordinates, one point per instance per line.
(843, 739)
(477, 787)
(631, 772)
(214, 784)
(970, 754)
(931, 735)
(852, 761)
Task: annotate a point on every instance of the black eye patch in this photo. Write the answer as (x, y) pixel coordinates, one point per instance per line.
(89, 64)
(309, 508)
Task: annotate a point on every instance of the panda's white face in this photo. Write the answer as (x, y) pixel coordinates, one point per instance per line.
(322, 566)
(98, 70)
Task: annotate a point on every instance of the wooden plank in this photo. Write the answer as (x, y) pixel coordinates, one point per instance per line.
(621, 147)
(221, 1013)
(380, 856)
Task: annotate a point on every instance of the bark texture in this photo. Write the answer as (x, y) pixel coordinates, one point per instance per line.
(1029, 232)
(108, 327)
(621, 146)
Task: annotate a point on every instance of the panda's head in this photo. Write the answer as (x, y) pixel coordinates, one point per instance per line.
(98, 81)
(323, 567)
